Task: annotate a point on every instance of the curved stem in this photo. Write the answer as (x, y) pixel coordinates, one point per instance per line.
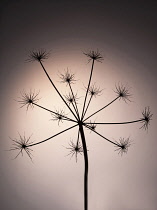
(56, 89)
(101, 108)
(52, 136)
(86, 167)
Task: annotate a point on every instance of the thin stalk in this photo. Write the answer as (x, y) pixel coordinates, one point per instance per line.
(101, 135)
(101, 108)
(66, 118)
(116, 123)
(76, 108)
(87, 105)
(52, 136)
(87, 88)
(86, 167)
(78, 138)
(57, 89)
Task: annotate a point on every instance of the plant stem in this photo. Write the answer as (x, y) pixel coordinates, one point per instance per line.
(86, 166)
(87, 89)
(30, 145)
(87, 105)
(56, 89)
(101, 108)
(75, 107)
(101, 135)
(116, 123)
(65, 118)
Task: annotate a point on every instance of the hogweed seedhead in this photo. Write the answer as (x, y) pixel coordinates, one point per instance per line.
(94, 55)
(94, 91)
(39, 55)
(123, 92)
(58, 116)
(91, 126)
(67, 77)
(22, 144)
(75, 149)
(147, 116)
(27, 99)
(70, 98)
(123, 145)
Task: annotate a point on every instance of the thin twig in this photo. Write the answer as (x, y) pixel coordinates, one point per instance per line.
(65, 118)
(101, 135)
(56, 89)
(52, 136)
(101, 109)
(87, 88)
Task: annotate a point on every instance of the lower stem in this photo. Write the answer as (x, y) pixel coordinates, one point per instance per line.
(86, 167)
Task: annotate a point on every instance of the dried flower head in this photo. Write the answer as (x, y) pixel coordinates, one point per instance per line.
(67, 77)
(123, 92)
(75, 149)
(123, 145)
(58, 116)
(147, 116)
(27, 99)
(94, 55)
(39, 55)
(92, 126)
(22, 144)
(70, 98)
(94, 91)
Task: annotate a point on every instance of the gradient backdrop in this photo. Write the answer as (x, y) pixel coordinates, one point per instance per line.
(125, 32)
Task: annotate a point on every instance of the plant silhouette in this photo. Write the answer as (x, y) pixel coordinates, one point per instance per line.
(79, 119)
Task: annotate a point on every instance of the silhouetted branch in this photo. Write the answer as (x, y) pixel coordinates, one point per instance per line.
(56, 89)
(84, 104)
(114, 123)
(100, 135)
(93, 91)
(63, 117)
(101, 109)
(51, 136)
(74, 97)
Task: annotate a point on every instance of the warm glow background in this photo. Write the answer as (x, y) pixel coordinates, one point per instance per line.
(125, 33)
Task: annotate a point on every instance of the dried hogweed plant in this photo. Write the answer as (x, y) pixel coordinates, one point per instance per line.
(79, 119)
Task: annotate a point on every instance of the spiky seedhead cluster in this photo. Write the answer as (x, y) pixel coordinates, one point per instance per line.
(123, 92)
(91, 126)
(39, 55)
(22, 145)
(67, 77)
(70, 98)
(58, 116)
(147, 116)
(123, 145)
(94, 91)
(94, 55)
(75, 149)
(27, 99)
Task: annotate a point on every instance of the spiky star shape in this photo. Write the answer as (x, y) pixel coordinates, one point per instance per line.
(79, 119)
